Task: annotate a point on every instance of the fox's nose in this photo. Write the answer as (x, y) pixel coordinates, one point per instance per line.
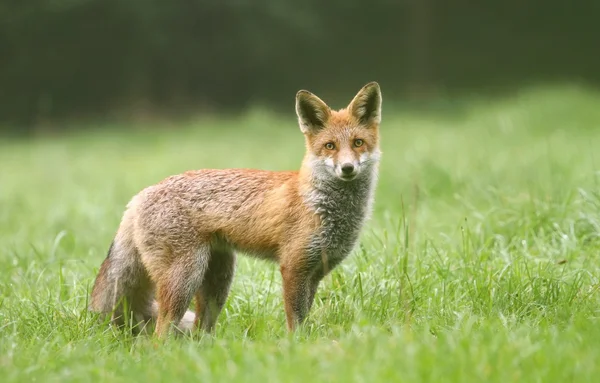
(347, 169)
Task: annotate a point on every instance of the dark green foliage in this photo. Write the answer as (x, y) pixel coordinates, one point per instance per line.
(74, 58)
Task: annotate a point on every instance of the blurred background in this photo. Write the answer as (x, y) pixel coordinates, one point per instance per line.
(65, 60)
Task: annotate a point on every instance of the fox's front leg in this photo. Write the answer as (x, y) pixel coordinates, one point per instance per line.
(296, 290)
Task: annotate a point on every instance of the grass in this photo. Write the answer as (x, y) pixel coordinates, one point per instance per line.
(481, 262)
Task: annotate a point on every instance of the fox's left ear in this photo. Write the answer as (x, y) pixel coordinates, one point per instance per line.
(366, 105)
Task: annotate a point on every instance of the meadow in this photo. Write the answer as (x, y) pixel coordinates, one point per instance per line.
(481, 261)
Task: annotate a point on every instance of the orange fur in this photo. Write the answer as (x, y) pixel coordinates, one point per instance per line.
(177, 238)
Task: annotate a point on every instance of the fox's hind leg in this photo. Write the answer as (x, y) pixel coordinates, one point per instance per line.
(176, 287)
(211, 296)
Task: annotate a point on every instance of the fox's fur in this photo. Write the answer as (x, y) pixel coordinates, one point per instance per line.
(177, 239)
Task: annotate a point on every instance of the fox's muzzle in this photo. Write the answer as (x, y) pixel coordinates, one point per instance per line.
(347, 171)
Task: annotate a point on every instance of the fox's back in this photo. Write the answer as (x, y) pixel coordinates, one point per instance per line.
(245, 208)
(223, 191)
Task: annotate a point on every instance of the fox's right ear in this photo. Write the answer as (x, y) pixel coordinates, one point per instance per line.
(312, 112)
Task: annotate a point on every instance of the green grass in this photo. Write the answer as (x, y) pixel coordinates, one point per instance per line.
(481, 262)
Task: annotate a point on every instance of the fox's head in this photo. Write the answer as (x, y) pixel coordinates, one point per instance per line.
(343, 144)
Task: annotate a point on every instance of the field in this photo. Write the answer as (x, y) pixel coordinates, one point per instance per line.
(481, 262)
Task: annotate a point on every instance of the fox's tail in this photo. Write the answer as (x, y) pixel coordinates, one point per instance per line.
(123, 289)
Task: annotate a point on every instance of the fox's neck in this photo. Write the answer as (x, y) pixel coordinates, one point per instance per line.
(342, 206)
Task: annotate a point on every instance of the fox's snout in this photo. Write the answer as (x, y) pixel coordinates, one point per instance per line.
(347, 169)
(350, 167)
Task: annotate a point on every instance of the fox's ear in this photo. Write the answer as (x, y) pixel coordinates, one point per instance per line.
(312, 112)
(366, 105)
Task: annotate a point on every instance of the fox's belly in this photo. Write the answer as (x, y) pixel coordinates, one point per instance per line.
(253, 245)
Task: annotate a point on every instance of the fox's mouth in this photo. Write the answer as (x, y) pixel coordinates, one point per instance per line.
(348, 177)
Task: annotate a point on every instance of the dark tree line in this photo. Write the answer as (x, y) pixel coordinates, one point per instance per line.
(84, 58)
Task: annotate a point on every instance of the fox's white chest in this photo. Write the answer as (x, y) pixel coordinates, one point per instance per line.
(343, 210)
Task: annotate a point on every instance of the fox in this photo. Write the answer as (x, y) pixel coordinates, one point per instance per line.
(178, 239)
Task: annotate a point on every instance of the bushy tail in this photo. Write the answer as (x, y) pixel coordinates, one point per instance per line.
(124, 292)
(122, 288)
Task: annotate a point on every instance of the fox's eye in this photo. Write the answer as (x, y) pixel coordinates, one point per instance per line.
(330, 145)
(358, 142)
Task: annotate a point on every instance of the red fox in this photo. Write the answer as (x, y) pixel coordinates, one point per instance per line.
(177, 239)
